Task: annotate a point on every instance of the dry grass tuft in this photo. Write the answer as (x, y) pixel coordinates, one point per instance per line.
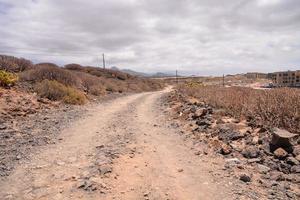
(91, 84)
(274, 108)
(56, 91)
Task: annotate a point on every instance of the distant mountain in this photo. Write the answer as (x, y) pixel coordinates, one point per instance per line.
(141, 74)
(131, 72)
(134, 73)
(160, 74)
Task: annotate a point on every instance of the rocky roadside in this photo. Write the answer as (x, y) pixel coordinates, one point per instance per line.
(264, 161)
(27, 122)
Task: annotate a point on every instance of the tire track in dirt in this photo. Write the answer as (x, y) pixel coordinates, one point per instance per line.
(163, 167)
(54, 173)
(123, 149)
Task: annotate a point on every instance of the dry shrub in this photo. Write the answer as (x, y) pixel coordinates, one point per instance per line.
(50, 71)
(13, 64)
(74, 67)
(7, 79)
(96, 90)
(56, 91)
(112, 85)
(107, 73)
(93, 80)
(74, 96)
(117, 81)
(91, 84)
(274, 108)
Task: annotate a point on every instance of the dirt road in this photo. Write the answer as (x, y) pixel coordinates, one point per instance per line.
(123, 149)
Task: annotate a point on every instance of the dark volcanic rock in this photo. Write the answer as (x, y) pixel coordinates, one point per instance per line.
(245, 178)
(284, 167)
(228, 135)
(281, 138)
(251, 152)
(203, 122)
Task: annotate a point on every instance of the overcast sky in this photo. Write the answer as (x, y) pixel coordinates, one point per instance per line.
(203, 37)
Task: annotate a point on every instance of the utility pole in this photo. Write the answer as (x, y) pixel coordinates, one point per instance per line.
(103, 59)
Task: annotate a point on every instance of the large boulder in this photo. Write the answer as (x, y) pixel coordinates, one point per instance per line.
(281, 139)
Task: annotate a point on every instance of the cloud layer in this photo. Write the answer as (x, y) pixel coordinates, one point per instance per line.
(196, 37)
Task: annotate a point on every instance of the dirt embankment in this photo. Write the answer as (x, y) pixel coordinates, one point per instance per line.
(267, 160)
(28, 122)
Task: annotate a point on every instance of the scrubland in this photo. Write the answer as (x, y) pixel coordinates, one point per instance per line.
(274, 108)
(71, 83)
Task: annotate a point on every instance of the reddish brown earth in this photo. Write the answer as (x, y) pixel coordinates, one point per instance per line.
(126, 148)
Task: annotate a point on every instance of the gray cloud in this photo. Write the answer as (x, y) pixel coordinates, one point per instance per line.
(199, 37)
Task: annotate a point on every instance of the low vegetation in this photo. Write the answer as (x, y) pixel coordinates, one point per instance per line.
(54, 90)
(13, 64)
(274, 108)
(72, 83)
(7, 79)
(49, 71)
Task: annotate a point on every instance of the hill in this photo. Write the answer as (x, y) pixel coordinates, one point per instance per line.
(71, 83)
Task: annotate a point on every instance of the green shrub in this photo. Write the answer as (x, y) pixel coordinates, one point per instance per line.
(54, 90)
(7, 78)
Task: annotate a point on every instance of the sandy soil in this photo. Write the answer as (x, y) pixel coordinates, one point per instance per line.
(122, 149)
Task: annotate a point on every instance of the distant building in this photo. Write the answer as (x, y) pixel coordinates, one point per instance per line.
(256, 75)
(286, 78)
